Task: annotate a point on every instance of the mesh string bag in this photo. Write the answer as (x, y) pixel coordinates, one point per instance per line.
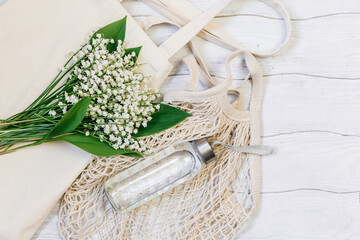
(215, 204)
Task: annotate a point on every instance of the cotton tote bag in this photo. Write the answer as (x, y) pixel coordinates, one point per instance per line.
(35, 37)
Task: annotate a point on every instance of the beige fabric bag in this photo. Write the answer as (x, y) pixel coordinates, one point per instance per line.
(215, 204)
(34, 39)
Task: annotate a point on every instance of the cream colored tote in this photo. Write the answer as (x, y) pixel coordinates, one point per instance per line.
(35, 36)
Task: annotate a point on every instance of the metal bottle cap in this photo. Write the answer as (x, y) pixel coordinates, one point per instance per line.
(205, 150)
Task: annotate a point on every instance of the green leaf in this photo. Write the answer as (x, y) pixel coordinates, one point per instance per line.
(71, 120)
(136, 50)
(134, 155)
(94, 146)
(163, 119)
(116, 31)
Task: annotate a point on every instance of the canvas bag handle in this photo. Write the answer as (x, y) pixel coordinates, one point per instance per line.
(180, 38)
(193, 61)
(181, 12)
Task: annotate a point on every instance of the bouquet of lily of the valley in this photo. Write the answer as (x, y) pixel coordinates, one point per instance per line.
(99, 102)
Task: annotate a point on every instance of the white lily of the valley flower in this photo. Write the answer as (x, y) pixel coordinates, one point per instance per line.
(121, 101)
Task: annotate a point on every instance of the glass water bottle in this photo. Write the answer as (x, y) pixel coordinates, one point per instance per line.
(157, 174)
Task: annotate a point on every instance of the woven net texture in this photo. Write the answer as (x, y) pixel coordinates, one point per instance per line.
(215, 204)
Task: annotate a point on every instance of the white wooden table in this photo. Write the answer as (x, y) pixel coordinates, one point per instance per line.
(311, 114)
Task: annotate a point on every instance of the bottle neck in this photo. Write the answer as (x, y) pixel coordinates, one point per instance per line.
(204, 151)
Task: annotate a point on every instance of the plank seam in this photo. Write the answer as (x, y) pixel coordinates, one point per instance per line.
(311, 189)
(292, 19)
(273, 18)
(311, 131)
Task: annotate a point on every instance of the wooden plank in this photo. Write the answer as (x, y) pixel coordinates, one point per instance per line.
(306, 215)
(312, 161)
(314, 49)
(334, 50)
(303, 104)
(301, 10)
